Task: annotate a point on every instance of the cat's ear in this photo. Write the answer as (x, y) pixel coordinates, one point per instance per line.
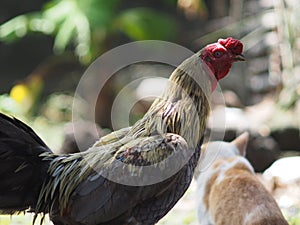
(241, 143)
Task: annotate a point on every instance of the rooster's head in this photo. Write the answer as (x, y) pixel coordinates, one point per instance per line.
(220, 56)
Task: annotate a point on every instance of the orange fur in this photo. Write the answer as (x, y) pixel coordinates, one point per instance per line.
(230, 194)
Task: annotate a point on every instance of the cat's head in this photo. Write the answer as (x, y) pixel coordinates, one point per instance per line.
(222, 150)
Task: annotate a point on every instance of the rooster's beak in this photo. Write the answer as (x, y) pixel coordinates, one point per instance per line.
(240, 57)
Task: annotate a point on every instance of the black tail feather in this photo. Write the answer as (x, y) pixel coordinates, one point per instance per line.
(22, 171)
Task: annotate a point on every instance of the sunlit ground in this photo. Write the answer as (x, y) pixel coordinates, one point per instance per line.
(182, 214)
(21, 220)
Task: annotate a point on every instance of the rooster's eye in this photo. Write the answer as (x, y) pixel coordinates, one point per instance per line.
(218, 54)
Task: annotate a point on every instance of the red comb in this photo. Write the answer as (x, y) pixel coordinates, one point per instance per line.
(232, 44)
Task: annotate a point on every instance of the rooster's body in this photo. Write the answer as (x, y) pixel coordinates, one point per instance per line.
(109, 183)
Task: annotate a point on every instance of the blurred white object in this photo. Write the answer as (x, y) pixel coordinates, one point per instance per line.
(151, 88)
(285, 169)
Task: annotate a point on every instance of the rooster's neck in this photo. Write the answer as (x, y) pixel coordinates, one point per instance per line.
(184, 107)
(192, 77)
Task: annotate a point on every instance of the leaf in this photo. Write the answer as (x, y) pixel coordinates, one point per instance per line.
(99, 12)
(64, 35)
(58, 11)
(83, 35)
(145, 23)
(14, 28)
(72, 26)
(171, 3)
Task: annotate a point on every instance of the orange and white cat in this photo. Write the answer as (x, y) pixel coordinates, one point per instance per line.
(228, 191)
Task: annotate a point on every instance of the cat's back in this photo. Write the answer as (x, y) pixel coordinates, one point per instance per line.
(238, 198)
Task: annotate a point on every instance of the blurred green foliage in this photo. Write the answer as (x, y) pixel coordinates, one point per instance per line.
(85, 28)
(86, 24)
(143, 23)
(288, 15)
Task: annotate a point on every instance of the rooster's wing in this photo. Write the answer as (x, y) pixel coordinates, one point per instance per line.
(99, 200)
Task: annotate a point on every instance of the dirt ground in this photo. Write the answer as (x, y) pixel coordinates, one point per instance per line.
(184, 212)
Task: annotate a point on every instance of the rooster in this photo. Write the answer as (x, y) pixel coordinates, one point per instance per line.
(93, 187)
